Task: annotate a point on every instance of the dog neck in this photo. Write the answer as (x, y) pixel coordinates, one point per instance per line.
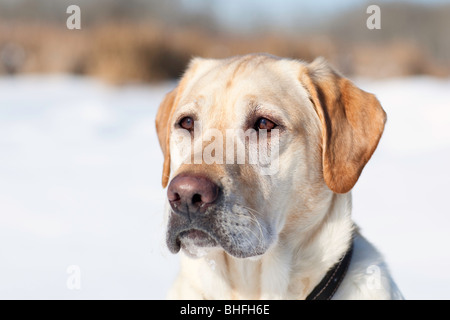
(290, 269)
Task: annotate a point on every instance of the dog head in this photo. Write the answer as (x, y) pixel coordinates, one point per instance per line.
(255, 143)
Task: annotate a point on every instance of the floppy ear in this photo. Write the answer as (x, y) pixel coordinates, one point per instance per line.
(163, 117)
(352, 124)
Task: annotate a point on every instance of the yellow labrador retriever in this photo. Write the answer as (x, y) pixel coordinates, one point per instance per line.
(273, 223)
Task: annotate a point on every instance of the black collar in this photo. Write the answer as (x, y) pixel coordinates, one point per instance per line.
(330, 283)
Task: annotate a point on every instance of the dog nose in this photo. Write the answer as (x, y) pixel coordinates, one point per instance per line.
(191, 194)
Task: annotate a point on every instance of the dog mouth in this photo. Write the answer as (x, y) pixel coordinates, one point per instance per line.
(194, 242)
(232, 233)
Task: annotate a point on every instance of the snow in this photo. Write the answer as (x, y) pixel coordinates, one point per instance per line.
(80, 172)
(400, 201)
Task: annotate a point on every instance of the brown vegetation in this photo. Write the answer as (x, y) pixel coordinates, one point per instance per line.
(151, 51)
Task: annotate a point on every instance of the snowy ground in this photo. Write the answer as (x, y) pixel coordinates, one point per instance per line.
(80, 185)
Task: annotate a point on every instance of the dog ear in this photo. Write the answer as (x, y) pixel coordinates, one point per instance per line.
(163, 118)
(352, 124)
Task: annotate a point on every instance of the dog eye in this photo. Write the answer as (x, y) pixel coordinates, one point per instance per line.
(187, 123)
(264, 124)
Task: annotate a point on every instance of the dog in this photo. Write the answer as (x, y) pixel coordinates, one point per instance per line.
(247, 232)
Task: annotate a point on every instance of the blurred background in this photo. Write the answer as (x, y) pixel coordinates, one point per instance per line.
(80, 163)
(147, 40)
